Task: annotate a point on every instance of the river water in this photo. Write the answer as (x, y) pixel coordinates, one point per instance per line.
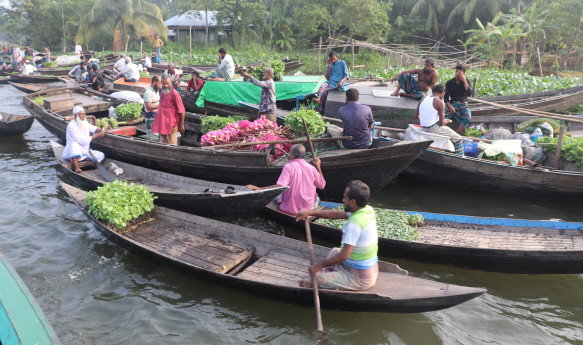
(94, 292)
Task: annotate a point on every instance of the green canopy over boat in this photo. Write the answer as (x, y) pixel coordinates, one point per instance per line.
(235, 91)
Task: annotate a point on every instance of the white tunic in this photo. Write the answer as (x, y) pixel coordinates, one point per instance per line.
(228, 65)
(428, 115)
(78, 142)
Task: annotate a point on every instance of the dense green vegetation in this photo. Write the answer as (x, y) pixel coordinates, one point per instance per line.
(213, 123)
(119, 203)
(314, 122)
(571, 151)
(128, 111)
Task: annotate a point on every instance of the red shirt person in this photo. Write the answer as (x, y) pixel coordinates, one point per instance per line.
(170, 118)
(195, 84)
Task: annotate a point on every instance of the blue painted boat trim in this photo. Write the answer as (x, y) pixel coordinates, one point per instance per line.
(507, 222)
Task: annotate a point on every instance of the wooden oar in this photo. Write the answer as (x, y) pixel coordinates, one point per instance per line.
(314, 152)
(106, 175)
(314, 281)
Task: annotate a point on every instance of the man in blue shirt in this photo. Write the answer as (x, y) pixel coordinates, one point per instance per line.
(357, 120)
(336, 74)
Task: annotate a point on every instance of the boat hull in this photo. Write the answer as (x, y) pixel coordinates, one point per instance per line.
(13, 128)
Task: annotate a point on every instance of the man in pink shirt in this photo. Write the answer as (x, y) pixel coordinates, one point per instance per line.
(170, 117)
(302, 180)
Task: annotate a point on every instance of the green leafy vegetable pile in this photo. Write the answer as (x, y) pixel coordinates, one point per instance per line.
(128, 111)
(314, 122)
(119, 203)
(571, 151)
(473, 132)
(213, 123)
(144, 75)
(390, 224)
(278, 69)
(50, 64)
(39, 100)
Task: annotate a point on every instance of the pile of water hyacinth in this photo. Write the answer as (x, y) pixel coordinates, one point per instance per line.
(247, 131)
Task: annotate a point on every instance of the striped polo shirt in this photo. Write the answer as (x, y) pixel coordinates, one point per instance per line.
(360, 231)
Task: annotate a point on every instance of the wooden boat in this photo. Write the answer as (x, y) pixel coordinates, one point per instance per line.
(491, 244)
(438, 166)
(59, 71)
(269, 264)
(21, 319)
(397, 112)
(11, 125)
(32, 88)
(4, 79)
(17, 78)
(173, 191)
(139, 87)
(375, 167)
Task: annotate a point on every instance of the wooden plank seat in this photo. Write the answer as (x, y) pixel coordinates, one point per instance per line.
(277, 268)
(193, 248)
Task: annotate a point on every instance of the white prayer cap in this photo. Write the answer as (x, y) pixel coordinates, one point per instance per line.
(77, 109)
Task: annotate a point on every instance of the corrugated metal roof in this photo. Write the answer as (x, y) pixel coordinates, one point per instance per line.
(192, 18)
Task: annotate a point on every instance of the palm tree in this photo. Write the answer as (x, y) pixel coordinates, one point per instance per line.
(468, 9)
(432, 8)
(127, 18)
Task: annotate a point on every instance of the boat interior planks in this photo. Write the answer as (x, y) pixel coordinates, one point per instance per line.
(12, 125)
(269, 264)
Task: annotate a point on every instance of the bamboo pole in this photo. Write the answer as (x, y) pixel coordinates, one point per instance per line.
(528, 112)
(540, 66)
(352, 67)
(291, 141)
(559, 147)
(320, 55)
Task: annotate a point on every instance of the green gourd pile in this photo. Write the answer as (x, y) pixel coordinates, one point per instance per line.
(105, 121)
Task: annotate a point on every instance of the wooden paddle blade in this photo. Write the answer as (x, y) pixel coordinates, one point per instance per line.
(106, 175)
(319, 324)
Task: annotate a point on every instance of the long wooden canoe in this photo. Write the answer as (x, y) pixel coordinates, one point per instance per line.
(397, 112)
(438, 166)
(11, 125)
(375, 167)
(4, 79)
(17, 78)
(32, 88)
(21, 318)
(269, 264)
(200, 197)
(491, 244)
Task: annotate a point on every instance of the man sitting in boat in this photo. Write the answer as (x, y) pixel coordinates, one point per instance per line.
(431, 114)
(336, 74)
(357, 122)
(457, 91)
(353, 266)
(119, 65)
(302, 180)
(95, 78)
(79, 72)
(195, 84)
(426, 79)
(174, 76)
(155, 58)
(130, 72)
(79, 137)
(267, 104)
(226, 69)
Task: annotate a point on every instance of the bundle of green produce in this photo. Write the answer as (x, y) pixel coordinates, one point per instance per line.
(571, 151)
(105, 121)
(50, 64)
(278, 70)
(393, 224)
(39, 100)
(213, 123)
(128, 111)
(121, 205)
(531, 125)
(474, 133)
(314, 122)
(144, 75)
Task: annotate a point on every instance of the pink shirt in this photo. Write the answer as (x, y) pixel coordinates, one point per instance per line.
(167, 117)
(302, 180)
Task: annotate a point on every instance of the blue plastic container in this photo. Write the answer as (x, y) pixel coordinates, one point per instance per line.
(470, 148)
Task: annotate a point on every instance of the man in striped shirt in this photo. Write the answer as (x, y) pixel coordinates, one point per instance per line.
(353, 266)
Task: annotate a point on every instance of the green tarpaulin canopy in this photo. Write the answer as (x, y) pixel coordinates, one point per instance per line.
(232, 92)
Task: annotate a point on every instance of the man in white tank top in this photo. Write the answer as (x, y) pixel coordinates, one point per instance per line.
(431, 115)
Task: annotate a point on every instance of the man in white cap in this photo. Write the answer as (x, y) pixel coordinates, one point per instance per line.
(79, 137)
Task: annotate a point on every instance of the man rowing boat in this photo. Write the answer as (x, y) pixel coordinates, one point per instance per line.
(353, 266)
(79, 137)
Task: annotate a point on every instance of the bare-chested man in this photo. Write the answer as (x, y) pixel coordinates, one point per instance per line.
(426, 79)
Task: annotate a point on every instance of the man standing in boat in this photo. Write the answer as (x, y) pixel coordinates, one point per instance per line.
(226, 68)
(152, 101)
(157, 44)
(431, 114)
(417, 89)
(79, 137)
(353, 266)
(267, 105)
(302, 180)
(357, 121)
(457, 91)
(336, 74)
(16, 56)
(170, 117)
